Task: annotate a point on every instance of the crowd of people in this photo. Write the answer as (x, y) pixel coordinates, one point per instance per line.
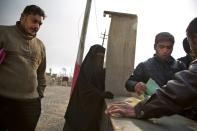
(22, 79)
(175, 96)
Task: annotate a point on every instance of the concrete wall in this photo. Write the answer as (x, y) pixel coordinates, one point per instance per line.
(120, 51)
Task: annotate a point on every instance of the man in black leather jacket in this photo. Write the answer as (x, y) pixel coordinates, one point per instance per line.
(161, 67)
(178, 94)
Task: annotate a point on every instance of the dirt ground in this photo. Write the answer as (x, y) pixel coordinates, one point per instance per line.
(54, 105)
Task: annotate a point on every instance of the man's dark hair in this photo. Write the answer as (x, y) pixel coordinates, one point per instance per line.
(34, 10)
(164, 36)
(192, 27)
(186, 46)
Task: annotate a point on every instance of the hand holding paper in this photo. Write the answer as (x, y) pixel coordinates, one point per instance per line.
(152, 86)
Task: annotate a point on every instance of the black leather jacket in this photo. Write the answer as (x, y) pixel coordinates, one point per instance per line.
(186, 60)
(179, 94)
(160, 71)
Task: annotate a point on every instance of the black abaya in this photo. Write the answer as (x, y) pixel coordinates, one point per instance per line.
(85, 105)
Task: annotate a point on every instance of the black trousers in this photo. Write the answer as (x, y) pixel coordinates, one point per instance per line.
(19, 115)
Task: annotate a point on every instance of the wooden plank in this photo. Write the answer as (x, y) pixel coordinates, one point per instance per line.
(110, 13)
(120, 52)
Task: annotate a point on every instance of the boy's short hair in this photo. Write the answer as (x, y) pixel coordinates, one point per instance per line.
(164, 36)
(186, 46)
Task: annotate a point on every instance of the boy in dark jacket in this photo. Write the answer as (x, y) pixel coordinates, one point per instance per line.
(161, 67)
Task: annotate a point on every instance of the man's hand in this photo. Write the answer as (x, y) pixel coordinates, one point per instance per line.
(121, 109)
(140, 88)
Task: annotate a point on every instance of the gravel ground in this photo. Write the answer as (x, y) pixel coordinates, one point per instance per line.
(54, 105)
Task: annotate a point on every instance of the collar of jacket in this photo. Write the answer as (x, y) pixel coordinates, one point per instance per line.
(169, 61)
(24, 34)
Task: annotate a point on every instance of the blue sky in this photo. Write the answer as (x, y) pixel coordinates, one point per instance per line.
(61, 29)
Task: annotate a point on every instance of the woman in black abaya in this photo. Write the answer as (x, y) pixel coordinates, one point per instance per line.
(85, 105)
